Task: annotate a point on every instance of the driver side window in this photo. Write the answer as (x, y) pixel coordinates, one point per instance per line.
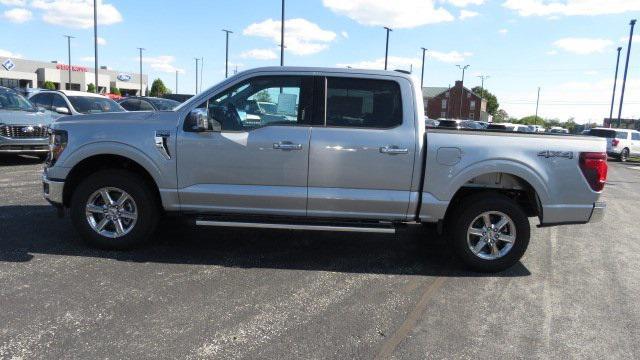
(262, 101)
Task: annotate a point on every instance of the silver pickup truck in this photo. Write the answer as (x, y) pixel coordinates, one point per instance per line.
(339, 150)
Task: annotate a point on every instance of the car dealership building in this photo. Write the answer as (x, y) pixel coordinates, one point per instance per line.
(25, 74)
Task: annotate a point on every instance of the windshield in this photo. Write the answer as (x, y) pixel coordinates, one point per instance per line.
(164, 104)
(92, 105)
(11, 100)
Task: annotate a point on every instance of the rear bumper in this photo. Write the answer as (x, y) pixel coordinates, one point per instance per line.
(572, 214)
(23, 146)
(52, 191)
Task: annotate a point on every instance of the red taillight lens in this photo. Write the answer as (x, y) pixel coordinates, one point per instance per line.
(615, 142)
(594, 168)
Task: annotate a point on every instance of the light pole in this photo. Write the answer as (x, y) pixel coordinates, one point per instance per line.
(463, 68)
(226, 61)
(615, 82)
(482, 77)
(626, 67)
(69, 37)
(386, 51)
(422, 73)
(282, 36)
(176, 81)
(141, 93)
(95, 41)
(537, 103)
(197, 59)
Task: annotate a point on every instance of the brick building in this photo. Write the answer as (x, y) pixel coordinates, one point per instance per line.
(444, 102)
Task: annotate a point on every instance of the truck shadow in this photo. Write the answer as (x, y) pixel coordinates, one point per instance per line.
(8, 160)
(27, 231)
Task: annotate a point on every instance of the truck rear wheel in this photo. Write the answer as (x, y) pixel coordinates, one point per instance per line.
(490, 232)
(114, 209)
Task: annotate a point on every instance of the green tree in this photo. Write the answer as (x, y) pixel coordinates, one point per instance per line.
(492, 100)
(263, 96)
(49, 85)
(501, 116)
(158, 89)
(531, 120)
(91, 88)
(114, 90)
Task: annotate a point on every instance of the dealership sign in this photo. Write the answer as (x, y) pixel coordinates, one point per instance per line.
(73, 68)
(8, 64)
(124, 77)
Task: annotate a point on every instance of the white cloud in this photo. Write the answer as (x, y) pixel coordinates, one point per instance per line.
(76, 13)
(464, 3)
(14, 2)
(259, 54)
(302, 37)
(583, 46)
(163, 63)
(396, 14)
(18, 15)
(467, 14)
(9, 54)
(449, 57)
(102, 41)
(552, 52)
(344, 34)
(503, 31)
(625, 39)
(571, 7)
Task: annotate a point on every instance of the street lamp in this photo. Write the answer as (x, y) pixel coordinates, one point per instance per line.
(176, 81)
(282, 36)
(141, 93)
(463, 68)
(482, 77)
(626, 67)
(422, 73)
(69, 37)
(226, 61)
(386, 51)
(197, 59)
(615, 82)
(95, 41)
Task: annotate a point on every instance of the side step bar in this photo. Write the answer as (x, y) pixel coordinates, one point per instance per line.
(382, 230)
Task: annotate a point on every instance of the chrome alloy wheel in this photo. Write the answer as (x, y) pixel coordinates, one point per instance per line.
(491, 235)
(111, 212)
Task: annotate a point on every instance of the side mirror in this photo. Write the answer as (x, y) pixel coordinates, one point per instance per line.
(63, 110)
(41, 109)
(199, 122)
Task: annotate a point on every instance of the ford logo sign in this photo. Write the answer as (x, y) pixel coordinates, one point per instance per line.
(124, 77)
(28, 129)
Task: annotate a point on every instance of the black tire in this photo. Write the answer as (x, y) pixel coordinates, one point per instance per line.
(624, 155)
(145, 200)
(472, 207)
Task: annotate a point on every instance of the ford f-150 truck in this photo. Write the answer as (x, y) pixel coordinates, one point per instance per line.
(349, 153)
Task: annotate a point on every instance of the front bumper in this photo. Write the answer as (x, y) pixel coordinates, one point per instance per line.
(598, 212)
(52, 190)
(24, 146)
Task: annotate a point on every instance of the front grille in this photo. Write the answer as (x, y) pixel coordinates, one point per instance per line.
(23, 131)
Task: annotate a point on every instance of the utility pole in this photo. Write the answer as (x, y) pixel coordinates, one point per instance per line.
(176, 81)
(537, 103)
(462, 86)
(386, 51)
(141, 93)
(226, 61)
(626, 67)
(282, 36)
(95, 42)
(482, 77)
(197, 59)
(69, 37)
(422, 73)
(615, 81)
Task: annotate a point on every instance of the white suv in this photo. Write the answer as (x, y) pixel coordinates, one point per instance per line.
(621, 143)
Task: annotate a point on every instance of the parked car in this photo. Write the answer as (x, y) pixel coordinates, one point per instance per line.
(509, 127)
(23, 128)
(558, 130)
(430, 122)
(450, 123)
(537, 128)
(147, 103)
(356, 158)
(621, 143)
(68, 102)
(177, 97)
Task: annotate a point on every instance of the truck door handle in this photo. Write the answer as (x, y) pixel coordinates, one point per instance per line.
(393, 150)
(287, 145)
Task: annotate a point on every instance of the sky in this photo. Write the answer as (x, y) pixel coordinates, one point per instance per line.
(565, 47)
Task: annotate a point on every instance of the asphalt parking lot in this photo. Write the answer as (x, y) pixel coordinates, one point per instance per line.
(210, 293)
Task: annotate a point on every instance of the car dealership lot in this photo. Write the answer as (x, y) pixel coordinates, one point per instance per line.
(223, 293)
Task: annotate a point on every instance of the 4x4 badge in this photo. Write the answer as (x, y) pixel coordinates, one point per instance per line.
(549, 154)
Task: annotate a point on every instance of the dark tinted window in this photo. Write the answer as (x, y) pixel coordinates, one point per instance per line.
(496, 127)
(164, 104)
(92, 104)
(130, 105)
(635, 136)
(363, 103)
(622, 135)
(145, 106)
(43, 100)
(448, 124)
(58, 101)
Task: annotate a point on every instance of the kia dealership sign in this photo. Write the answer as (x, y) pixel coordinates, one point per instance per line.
(73, 68)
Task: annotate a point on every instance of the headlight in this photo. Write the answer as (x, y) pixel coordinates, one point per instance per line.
(57, 144)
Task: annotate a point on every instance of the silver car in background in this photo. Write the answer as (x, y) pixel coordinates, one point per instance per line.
(23, 128)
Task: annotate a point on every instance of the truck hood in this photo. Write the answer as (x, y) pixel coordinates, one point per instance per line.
(17, 117)
(109, 116)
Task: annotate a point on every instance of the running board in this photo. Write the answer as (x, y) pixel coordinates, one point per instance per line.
(381, 230)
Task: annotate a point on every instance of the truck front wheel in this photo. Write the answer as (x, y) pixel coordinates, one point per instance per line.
(114, 209)
(490, 232)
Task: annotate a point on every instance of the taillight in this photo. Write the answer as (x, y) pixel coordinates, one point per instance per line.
(615, 142)
(594, 168)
